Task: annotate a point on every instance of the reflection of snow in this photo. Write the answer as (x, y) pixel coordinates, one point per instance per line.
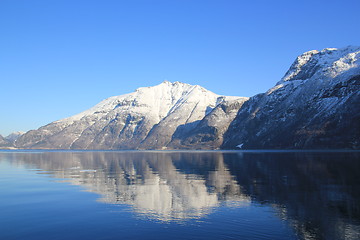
(152, 184)
(160, 191)
(88, 170)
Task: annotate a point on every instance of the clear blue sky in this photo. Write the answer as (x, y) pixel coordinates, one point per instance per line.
(60, 57)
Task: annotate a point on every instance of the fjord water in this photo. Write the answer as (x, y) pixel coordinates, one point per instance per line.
(179, 195)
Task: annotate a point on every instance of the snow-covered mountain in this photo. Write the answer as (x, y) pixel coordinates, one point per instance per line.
(144, 119)
(13, 136)
(315, 105)
(209, 132)
(4, 143)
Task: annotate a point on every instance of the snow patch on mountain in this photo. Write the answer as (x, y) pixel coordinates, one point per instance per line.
(13, 136)
(329, 62)
(314, 105)
(146, 118)
(315, 102)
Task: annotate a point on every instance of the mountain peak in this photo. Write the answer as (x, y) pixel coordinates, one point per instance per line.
(13, 136)
(327, 62)
(314, 104)
(165, 84)
(145, 118)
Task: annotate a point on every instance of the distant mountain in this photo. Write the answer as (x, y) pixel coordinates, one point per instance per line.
(315, 105)
(13, 136)
(4, 143)
(148, 118)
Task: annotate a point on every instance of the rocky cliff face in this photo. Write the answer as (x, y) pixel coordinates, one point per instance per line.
(145, 119)
(315, 105)
(208, 133)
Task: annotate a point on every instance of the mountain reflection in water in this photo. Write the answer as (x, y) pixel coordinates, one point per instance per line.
(318, 194)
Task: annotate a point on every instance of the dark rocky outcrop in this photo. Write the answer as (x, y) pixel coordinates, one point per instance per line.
(316, 105)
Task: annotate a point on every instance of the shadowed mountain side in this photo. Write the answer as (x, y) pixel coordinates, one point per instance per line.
(5, 143)
(315, 105)
(144, 119)
(208, 133)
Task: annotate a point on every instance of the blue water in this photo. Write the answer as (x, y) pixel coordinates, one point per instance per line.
(179, 195)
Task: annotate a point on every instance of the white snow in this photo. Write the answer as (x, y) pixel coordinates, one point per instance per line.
(331, 61)
(13, 136)
(161, 99)
(165, 106)
(240, 145)
(158, 101)
(298, 64)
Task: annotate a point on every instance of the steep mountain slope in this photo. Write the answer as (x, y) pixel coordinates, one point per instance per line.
(315, 105)
(13, 136)
(4, 143)
(145, 119)
(208, 133)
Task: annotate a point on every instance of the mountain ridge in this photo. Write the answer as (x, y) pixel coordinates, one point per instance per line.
(144, 119)
(315, 105)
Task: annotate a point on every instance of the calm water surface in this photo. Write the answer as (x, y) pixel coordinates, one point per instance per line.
(179, 195)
